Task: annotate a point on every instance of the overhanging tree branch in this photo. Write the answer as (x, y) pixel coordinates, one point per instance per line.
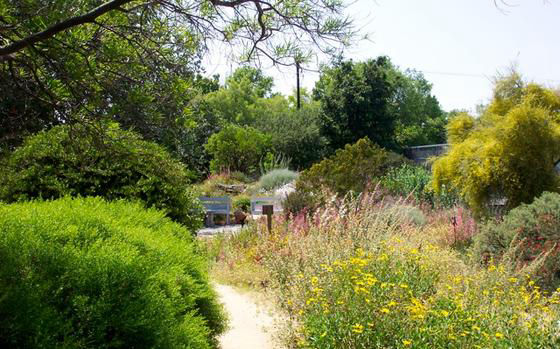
(62, 26)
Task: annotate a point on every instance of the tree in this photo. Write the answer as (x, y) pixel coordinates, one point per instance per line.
(355, 101)
(247, 23)
(509, 153)
(294, 133)
(395, 109)
(259, 84)
(237, 102)
(121, 59)
(237, 148)
(419, 117)
(122, 68)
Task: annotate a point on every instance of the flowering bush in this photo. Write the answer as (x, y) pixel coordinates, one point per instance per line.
(390, 298)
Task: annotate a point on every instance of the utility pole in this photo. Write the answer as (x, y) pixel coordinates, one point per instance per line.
(297, 86)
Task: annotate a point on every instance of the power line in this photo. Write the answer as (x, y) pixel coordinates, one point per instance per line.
(476, 75)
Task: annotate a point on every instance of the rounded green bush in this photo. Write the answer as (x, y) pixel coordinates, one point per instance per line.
(242, 202)
(107, 162)
(299, 201)
(85, 273)
(526, 233)
(351, 169)
(277, 178)
(237, 149)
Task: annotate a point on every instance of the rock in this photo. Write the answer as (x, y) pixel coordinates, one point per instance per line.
(286, 189)
(240, 217)
(232, 188)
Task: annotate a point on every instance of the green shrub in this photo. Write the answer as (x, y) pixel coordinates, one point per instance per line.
(294, 133)
(350, 169)
(241, 202)
(240, 177)
(528, 233)
(298, 201)
(416, 181)
(85, 273)
(277, 178)
(237, 148)
(107, 162)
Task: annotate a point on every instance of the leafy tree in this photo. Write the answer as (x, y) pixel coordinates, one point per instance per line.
(394, 109)
(111, 163)
(259, 26)
(293, 133)
(259, 84)
(236, 102)
(355, 101)
(419, 117)
(19, 115)
(121, 67)
(138, 61)
(74, 50)
(510, 152)
(237, 148)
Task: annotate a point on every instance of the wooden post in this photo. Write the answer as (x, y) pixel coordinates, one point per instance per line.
(297, 86)
(268, 210)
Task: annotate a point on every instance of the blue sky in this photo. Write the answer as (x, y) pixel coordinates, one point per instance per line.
(460, 45)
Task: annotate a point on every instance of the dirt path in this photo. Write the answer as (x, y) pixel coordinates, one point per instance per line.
(251, 326)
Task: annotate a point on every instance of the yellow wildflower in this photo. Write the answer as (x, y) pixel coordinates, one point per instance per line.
(357, 328)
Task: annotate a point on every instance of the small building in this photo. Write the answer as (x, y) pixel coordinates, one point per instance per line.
(421, 154)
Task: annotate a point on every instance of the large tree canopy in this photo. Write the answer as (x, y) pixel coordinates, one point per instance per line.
(354, 100)
(394, 109)
(277, 29)
(137, 61)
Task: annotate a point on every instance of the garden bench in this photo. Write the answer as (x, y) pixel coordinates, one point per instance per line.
(216, 205)
(258, 202)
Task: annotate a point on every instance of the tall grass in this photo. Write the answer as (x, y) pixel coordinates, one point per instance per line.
(359, 273)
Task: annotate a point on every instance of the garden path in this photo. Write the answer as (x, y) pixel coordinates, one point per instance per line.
(210, 232)
(250, 325)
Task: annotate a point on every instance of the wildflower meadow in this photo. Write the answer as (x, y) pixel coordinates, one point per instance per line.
(360, 273)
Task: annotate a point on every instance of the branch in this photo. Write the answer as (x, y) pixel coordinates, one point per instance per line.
(62, 26)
